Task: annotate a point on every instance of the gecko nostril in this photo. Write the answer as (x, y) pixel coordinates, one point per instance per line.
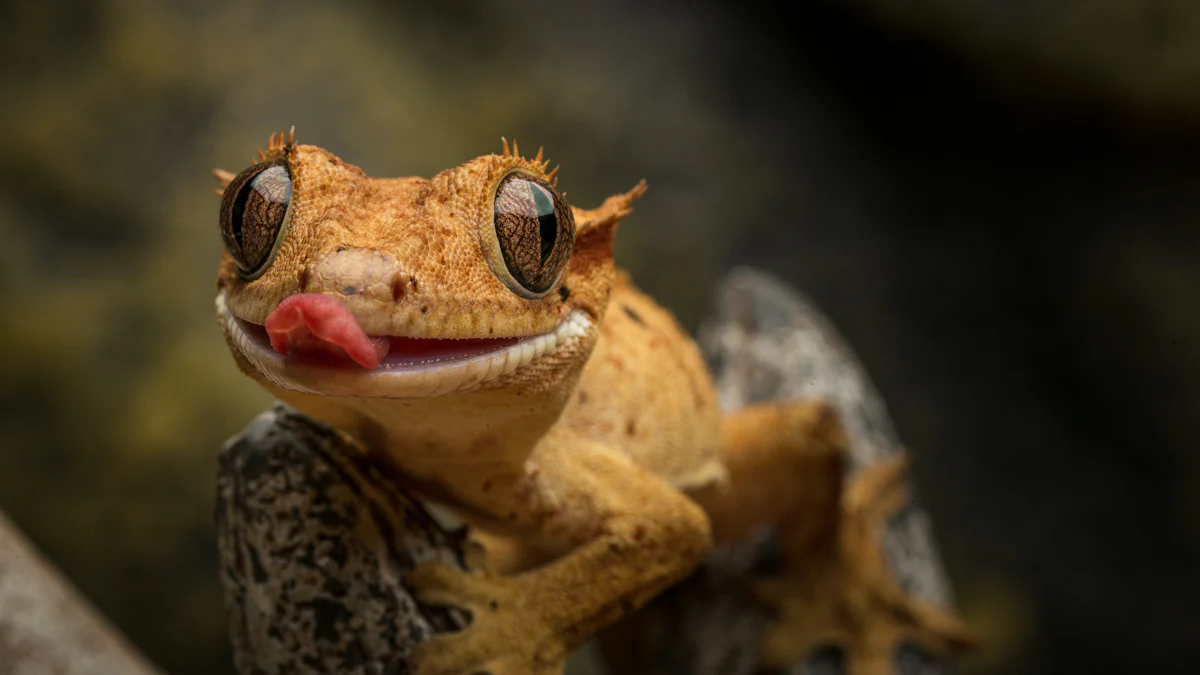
(400, 287)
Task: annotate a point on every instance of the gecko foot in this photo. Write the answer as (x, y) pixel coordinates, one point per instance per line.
(508, 634)
(843, 595)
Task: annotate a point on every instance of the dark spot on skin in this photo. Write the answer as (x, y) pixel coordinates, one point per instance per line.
(487, 485)
(639, 533)
(341, 248)
(633, 315)
(302, 281)
(451, 214)
(614, 547)
(413, 281)
(333, 161)
(631, 427)
(491, 330)
(424, 309)
(494, 605)
(583, 397)
(512, 515)
(564, 292)
(399, 289)
(349, 290)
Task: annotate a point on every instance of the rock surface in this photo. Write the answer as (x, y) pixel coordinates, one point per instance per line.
(314, 542)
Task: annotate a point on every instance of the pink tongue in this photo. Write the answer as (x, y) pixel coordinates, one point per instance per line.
(319, 325)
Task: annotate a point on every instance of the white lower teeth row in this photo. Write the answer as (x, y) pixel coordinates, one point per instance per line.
(524, 353)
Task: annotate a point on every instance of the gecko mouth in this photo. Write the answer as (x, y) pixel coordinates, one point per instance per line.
(332, 356)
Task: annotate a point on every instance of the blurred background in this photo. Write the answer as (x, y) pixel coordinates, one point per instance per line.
(995, 202)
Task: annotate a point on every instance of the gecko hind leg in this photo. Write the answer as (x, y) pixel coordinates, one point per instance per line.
(786, 463)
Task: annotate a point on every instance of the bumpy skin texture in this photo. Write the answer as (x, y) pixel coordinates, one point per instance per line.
(596, 465)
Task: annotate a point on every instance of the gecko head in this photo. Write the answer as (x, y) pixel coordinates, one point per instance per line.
(481, 278)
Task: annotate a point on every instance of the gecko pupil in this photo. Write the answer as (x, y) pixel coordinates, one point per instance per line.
(535, 230)
(253, 211)
(547, 221)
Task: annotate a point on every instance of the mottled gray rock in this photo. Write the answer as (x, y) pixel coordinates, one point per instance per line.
(769, 342)
(314, 541)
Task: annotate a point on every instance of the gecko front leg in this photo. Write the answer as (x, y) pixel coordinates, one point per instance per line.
(634, 535)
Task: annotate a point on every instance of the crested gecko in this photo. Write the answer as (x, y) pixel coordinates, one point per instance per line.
(473, 329)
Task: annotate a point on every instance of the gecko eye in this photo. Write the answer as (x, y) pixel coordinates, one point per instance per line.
(535, 232)
(254, 211)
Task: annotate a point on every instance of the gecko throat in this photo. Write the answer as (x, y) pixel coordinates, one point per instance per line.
(401, 367)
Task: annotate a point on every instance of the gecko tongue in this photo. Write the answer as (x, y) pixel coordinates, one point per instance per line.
(318, 325)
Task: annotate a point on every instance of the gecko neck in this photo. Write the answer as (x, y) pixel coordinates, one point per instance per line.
(424, 435)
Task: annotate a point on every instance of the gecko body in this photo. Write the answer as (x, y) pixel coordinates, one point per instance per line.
(473, 329)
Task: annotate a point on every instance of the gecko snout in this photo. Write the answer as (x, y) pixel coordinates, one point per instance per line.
(349, 270)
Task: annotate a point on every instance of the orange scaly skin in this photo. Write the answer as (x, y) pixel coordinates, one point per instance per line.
(596, 467)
